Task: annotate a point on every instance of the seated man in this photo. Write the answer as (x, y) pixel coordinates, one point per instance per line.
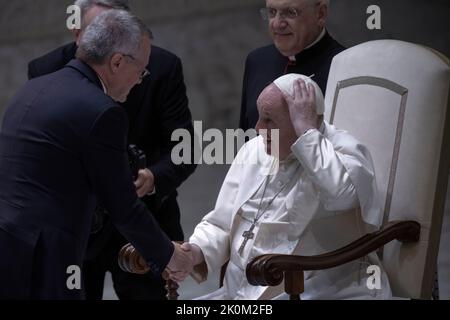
(322, 197)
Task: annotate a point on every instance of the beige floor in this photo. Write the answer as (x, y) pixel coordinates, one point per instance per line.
(197, 197)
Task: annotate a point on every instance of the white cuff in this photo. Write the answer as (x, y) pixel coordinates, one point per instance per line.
(152, 193)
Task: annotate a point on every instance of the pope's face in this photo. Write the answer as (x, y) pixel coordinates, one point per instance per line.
(293, 34)
(274, 115)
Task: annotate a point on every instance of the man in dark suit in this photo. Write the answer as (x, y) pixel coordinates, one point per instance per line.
(155, 108)
(301, 45)
(62, 148)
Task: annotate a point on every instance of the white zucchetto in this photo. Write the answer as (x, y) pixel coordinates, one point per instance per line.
(286, 84)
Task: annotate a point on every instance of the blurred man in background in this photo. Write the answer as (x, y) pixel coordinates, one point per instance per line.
(301, 44)
(156, 107)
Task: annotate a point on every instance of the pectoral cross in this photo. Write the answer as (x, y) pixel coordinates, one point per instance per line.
(247, 236)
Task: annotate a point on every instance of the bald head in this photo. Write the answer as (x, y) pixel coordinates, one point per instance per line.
(271, 97)
(92, 8)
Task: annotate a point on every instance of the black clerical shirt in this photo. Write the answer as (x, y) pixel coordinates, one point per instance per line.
(266, 64)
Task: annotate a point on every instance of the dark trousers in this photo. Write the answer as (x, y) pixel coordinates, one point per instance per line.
(129, 286)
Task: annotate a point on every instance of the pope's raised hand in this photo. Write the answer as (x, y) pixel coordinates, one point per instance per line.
(302, 107)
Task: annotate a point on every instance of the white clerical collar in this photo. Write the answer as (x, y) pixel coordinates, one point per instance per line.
(321, 35)
(103, 84)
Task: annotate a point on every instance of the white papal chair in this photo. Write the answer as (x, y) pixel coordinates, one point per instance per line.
(393, 96)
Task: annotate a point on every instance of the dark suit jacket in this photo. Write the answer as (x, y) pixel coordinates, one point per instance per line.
(266, 64)
(155, 108)
(63, 144)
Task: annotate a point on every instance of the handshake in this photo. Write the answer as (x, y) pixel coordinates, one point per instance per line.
(181, 264)
(184, 258)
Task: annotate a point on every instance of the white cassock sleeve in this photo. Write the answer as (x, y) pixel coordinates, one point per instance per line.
(341, 169)
(212, 234)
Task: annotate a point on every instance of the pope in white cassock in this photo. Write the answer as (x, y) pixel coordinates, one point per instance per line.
(320, 195)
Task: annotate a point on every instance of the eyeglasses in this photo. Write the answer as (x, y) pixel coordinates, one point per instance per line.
(285, 13)
(145, 73)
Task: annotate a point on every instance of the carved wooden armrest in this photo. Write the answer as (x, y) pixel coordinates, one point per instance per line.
(270, 269)
(131, 261)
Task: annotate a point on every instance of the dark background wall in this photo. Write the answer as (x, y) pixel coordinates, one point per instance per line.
(419, 21)
(212, 38)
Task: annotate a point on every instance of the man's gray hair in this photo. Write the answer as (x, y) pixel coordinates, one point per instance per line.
(85, 5)
(113, 31)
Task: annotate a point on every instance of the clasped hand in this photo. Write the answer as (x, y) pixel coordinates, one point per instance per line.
(184, 258)
(145, 183)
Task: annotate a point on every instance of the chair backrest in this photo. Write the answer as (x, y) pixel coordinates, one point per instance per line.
(393, 96)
